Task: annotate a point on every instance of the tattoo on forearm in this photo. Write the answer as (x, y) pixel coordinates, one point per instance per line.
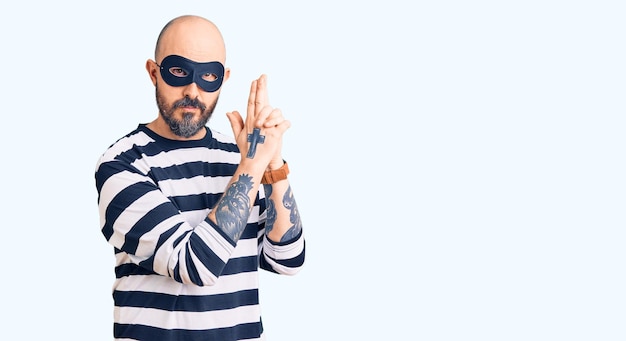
(294, 216)
(233, 209)
(271, 209)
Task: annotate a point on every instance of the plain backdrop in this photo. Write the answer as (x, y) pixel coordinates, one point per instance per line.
(458, 165)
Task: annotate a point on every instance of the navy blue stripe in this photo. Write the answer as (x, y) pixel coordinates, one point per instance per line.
(240, 264)
(206, 255)
(150, 149)
(229, 147)
(190, 303)
(105, 171)
(129, 269)
(148, 333)
(191, 169)
(149, 263)
(131, 155)
(166, 235)
(250, 232)
(192, 271)
(259, 240)
(196, 202)
(291, 262)
(294, 262)
(176, 274)
(234, 266)
(263, 264)
(151, 219)
(120, 202)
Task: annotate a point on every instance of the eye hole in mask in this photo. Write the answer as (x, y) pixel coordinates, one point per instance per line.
(180, 71)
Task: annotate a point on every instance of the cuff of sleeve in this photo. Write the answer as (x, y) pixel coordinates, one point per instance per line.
(284, 250)
(219, 230)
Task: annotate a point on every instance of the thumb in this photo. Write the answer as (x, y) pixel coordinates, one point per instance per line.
(236, 122)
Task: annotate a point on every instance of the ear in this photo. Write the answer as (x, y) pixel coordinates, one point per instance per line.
(152, 69)
(226, 74)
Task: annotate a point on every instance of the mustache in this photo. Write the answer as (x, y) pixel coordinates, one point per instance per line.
(188, 102)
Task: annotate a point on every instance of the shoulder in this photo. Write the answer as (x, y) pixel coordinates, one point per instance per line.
(134, 139)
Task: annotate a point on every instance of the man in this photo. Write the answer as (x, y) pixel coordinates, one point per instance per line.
(193, 214)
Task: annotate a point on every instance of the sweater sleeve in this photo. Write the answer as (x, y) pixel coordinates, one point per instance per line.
(138, 219)
(285, 258)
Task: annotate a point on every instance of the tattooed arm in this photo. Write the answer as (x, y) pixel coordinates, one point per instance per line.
(283, 249)
(233, 209)
(283, 219)
(259, 139)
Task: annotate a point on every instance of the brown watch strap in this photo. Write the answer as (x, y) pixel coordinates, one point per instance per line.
(272, 176)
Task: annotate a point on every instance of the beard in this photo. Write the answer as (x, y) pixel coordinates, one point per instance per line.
(188, 125)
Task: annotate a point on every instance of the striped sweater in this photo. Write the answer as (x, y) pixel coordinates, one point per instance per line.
(178, 277)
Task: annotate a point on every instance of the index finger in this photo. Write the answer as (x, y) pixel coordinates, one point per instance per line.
(251, 113)
(261, 97)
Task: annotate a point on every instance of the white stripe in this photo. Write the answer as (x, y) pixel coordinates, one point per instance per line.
(166, 285)
(245, 248)
(112, 186)
(222, 137)
(284, 251)
(148, 241)
(133, 213)
(194, 218)
(167, 256)
(222, 248)
(187, 320)
(182, 156)
(195, 185)
(124, 144)
(164, 256)
(178, 258)
(281, 269)
(254, 214)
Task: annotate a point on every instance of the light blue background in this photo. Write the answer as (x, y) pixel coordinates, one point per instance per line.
(459, 165)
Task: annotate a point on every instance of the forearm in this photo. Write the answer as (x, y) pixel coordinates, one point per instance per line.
(283, 219)
(233, 209)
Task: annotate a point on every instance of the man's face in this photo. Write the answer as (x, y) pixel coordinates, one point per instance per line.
(185, 116)
(187, 93)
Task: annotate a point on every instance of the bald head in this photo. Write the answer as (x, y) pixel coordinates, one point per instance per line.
(192, 37)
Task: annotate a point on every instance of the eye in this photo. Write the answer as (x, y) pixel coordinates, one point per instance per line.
(209, 77)
(178, 72)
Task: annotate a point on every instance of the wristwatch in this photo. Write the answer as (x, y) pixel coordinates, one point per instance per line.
(272, 176)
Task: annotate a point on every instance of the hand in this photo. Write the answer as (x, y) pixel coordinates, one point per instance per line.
(268, 119)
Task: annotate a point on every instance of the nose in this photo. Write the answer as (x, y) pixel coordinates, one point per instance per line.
(191, 90)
